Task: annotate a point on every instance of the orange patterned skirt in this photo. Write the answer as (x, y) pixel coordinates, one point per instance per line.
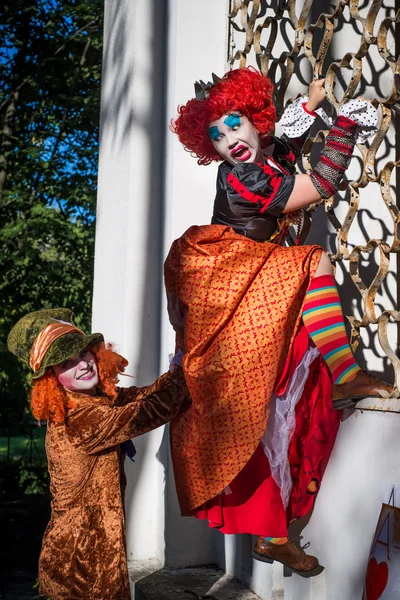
(244, 303)
(253, 501)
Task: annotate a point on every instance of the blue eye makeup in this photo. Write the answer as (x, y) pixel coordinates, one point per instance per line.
(213, 132)
(232, 120)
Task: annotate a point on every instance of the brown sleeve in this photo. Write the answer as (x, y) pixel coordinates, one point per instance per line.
(96, 427)
(132, 393)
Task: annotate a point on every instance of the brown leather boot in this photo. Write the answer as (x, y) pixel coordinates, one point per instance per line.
(292, 557)
(363, 385)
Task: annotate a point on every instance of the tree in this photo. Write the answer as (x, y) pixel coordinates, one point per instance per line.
(50, 68)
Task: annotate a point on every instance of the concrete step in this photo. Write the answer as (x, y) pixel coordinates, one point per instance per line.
(200, 583)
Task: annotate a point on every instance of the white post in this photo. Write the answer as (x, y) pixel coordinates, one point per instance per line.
(190, 191)
(128, 258)
(145, 200)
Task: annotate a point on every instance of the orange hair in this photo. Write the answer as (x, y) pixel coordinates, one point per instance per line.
(110, 364)
(49, 400)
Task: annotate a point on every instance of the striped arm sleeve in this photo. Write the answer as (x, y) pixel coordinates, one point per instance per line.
(335, 157)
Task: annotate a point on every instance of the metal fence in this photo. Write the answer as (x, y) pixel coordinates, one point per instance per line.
(353, 44)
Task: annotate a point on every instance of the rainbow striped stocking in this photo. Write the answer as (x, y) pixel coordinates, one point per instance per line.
(323, 318)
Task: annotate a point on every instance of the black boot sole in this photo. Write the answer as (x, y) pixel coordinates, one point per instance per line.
(288, 571)
(348, 402)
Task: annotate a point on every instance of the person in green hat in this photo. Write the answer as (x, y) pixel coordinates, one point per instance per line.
(90, 419)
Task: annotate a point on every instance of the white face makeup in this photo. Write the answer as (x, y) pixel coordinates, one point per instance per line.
(236, 139)
(78, 373)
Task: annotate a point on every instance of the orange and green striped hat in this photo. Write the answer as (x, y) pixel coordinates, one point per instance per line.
(48, 337)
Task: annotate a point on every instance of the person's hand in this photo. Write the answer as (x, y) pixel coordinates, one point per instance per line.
(316, 94)
(176, 313)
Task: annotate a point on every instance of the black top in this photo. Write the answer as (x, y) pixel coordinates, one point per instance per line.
(251, 197)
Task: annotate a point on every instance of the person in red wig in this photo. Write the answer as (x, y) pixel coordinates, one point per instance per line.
(266, 345)
(90, 423)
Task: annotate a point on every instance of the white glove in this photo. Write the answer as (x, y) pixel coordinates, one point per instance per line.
(296, 120)
(364, 114)
(176, 360)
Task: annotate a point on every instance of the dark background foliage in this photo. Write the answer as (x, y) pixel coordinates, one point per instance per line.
(50, 68)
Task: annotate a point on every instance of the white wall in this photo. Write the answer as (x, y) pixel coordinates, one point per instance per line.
(150, 191)
(346, 513)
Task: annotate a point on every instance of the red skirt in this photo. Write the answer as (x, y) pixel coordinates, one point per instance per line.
(253, 501)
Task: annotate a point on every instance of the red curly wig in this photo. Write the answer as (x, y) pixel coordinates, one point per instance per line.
(245, 90)
(49, 400)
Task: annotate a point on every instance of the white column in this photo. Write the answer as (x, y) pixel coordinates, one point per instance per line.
(128, 258)
(346, 513)
(197, 47)
(141, 88)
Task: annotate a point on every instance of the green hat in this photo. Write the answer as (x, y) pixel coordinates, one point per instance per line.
(48, 337)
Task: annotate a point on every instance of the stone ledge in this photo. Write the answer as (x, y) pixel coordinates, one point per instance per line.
(379, 404)
(201, 583)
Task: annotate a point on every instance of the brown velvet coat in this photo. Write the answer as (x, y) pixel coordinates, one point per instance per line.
(83, 552)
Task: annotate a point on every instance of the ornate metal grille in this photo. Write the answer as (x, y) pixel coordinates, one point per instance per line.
(293, 42)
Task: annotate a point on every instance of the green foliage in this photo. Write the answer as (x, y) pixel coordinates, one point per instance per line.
(22, 477)
(33, 479)
(20, 443)
(50, 68)
(36, 587)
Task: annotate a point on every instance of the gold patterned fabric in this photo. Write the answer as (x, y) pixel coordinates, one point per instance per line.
(83, 552)
(244, 303)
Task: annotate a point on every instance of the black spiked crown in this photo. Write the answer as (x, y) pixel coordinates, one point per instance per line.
(202, 90)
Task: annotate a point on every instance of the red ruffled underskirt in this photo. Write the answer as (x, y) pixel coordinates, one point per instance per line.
(254, 504)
